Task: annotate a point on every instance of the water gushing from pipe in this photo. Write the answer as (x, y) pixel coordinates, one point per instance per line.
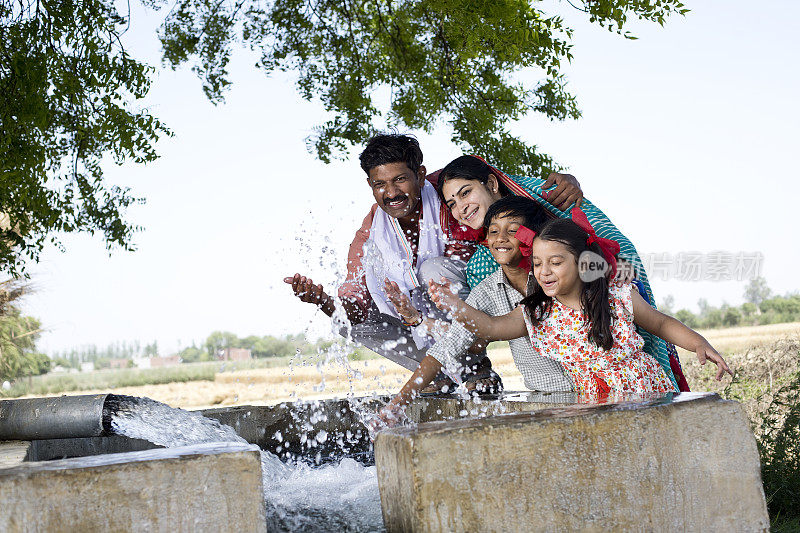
(340, 497)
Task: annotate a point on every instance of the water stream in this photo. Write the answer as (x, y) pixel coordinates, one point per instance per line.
(337, 497)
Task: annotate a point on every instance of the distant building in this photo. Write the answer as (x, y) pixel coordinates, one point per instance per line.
(119, 363)
(141, 362)
(87, 366)
(158, 362)
(235, 354)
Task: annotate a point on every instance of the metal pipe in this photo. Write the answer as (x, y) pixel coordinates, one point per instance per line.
(62, 417)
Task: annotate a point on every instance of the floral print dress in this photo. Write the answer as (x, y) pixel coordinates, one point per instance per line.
(597, 373)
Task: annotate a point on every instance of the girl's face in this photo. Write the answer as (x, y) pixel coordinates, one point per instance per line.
(468, 200)
(501, 241)
(555, 268)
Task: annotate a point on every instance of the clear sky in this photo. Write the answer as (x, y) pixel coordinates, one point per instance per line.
(688, 142)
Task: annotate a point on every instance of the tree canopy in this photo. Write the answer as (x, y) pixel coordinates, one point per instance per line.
(69, 88)
(18, 335)
(452, 61)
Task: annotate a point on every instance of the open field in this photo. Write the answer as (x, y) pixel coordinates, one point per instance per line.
(285, 380)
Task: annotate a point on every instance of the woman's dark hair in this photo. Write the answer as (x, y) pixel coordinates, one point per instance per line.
(386, 148)
(533, 215)
(468, 167)
(594, 296)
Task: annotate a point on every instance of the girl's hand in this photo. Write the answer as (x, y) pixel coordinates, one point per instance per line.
(443, 296)
(401, 303)
(707, 352)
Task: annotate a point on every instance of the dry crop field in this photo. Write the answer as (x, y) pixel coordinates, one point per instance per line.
(264, 386)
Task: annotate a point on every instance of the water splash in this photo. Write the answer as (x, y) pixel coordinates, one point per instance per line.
(143, 418)
(341, 497)
(336, 498)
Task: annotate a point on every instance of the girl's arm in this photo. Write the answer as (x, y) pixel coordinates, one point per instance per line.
(491, 328)
(672, 330)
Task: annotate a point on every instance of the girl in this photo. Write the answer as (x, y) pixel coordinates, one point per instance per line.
(577, 317)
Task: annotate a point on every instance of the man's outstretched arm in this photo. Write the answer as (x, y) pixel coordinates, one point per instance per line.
(305, 289)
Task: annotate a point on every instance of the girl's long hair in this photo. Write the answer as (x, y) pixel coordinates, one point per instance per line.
(594, 295)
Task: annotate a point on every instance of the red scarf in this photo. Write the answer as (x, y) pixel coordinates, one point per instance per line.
(609, 247)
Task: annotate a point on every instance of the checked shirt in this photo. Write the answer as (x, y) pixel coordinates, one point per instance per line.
(496, 297)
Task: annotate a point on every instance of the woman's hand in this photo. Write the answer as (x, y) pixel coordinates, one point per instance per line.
(401, 303)
(567, 190)
(707, 352)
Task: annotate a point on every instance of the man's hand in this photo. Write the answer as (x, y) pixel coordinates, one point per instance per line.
(567, 190)
(305, 289)
(401, 303)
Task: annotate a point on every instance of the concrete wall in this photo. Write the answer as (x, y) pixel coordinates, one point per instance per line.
(327, 430)
(688, 465)
(437, 408)
(210, 487)
(294, 429)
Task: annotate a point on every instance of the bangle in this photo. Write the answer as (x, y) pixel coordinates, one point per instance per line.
(412, 324)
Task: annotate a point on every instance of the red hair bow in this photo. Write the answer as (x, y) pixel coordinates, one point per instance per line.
(525, 237)
(609, 247)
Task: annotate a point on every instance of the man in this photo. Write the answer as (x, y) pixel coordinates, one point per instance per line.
(404, 239)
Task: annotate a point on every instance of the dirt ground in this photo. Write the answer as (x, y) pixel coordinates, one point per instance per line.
(377, 376)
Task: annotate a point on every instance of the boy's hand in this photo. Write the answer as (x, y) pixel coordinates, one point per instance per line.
(442, 295)
(707, 352)
(389, 416)
(401, 302)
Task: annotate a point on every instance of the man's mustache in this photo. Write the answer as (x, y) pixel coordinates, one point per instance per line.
(396, 198)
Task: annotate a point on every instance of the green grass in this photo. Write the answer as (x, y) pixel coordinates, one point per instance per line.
(767, 384)
(790, 525)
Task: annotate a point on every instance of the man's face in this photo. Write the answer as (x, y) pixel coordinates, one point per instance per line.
(396, 188)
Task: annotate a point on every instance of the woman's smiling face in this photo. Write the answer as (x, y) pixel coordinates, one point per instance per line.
(468, 200)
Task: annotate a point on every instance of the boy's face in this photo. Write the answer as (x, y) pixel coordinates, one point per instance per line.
(501, 241)
(396, 188)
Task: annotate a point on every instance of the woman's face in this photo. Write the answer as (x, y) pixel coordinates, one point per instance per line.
(468, 200)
